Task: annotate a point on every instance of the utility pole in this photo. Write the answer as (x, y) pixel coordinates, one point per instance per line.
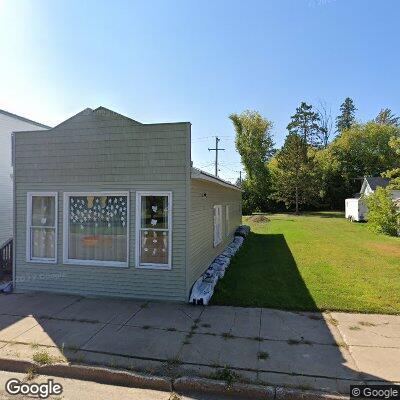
(217, 139)
(240, 177)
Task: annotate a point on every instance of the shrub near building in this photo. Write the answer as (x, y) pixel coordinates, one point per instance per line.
(383, 214)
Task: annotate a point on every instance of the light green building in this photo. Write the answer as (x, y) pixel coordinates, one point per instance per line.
(107, 206)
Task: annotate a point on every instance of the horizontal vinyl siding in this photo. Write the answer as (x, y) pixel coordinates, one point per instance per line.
(202, 250)
(8, 124)
(93, 153)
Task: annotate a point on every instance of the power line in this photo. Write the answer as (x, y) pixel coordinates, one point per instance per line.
(232, 163)
(230, 169)
(225, 166)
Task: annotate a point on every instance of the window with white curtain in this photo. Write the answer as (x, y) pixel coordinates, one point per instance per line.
(96, 228)
(217, 225)
(41, 237)
(153, 230)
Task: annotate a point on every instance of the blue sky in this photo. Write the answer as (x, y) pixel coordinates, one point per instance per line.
(198, 61)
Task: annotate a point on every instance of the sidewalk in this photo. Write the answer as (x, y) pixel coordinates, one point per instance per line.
(327, 351)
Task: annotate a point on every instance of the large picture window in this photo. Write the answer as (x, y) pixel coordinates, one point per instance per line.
(41, 237)
(153, 229)
(96, 228)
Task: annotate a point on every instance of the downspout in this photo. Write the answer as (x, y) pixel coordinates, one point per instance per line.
(188, 209)
(14, 214)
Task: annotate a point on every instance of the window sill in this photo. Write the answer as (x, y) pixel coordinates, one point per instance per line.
(41, 261)
(88, 263)
(154, 266)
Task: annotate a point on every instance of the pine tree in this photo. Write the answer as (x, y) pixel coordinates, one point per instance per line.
(386, 117)
(347, 117)
(295, 181)
(305, 123)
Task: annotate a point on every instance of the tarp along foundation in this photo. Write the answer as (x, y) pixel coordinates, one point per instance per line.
(203, 288)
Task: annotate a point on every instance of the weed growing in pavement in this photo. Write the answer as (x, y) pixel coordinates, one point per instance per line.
(225, 374)
(227, 335)
(263, 355)
(30, 373)
(43, 358)
(355, 328)
(366, 323)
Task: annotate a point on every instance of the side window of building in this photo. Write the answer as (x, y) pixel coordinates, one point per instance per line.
(154, 230)
(227, 221)
(41, 232)
(217, 225)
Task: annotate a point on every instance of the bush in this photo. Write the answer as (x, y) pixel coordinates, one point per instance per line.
(383, 215)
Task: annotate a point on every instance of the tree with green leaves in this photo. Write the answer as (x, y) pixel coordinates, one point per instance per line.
(255, 145)
(305, 124)
(334, 183)
(347, 115)
(394, 173)
(294, 181)
(383, 215)
(364, 150)
(386, 117)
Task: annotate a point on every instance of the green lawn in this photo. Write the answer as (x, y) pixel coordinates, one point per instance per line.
(317, 261)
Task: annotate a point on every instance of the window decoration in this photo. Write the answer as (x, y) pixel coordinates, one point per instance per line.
(41, 227)
(96, 229)
(153, 229)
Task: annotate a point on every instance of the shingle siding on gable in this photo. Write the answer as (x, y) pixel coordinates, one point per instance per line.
(96, 152)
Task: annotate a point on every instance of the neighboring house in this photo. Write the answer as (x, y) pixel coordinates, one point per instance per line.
(108, 206)
(371, 183)
(356, 209)
(9, 123)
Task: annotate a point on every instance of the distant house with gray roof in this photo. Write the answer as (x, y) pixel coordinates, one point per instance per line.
(371, 183)
(355, 208)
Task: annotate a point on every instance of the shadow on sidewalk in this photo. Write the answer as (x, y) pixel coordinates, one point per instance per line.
(265, 272)
(298, 346)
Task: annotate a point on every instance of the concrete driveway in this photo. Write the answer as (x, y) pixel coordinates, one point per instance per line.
(323, 351)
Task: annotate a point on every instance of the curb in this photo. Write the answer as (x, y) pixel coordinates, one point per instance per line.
(187, 385)
(182, 385)
(88, 373)
(204, 385)
(284, 393)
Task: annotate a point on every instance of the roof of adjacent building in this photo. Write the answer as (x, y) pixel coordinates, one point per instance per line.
(377, 181)
(24, 119)
(205, 176)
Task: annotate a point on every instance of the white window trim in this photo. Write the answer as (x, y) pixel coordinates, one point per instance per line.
(96, 263)
(138, 228)
(227, 220)
(28, 227)
(217, 241)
